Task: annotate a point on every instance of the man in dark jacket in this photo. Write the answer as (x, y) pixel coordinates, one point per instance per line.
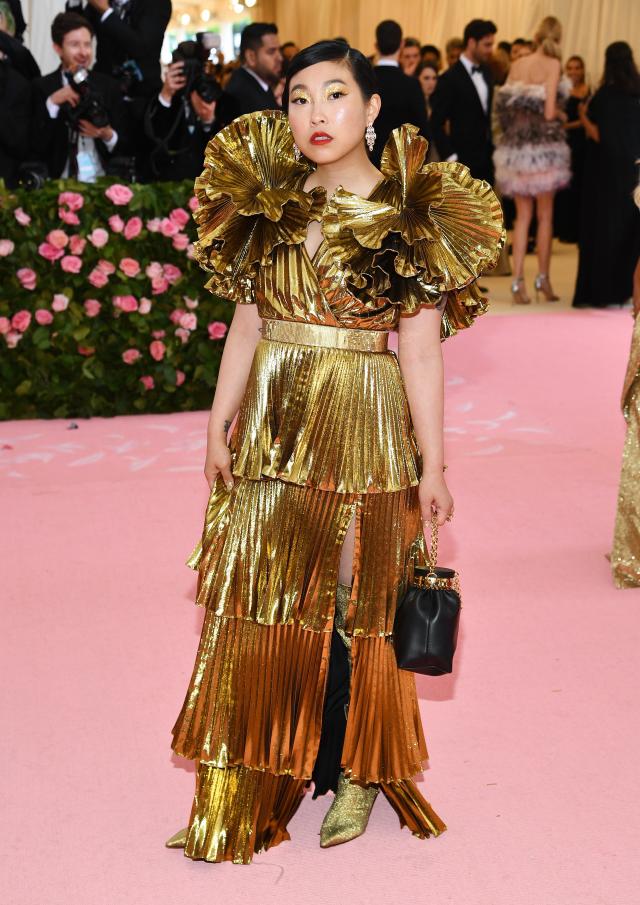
(250, 88)
(15, 105)
(402, 98)
(74, 144)
(129, 30)
(12, 26)
(461, 104)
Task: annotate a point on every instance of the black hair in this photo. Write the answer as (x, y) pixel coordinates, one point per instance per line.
(66, 22)
(428, 64)
(388, 37)
(252, 35)
(431, 48)
(576, 57)
(333, 52)
(520, 42)
(478, 29)
(504, 45)
(620, 70)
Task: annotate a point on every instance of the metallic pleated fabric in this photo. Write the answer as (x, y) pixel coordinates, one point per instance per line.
(323, 439)
(625, 555)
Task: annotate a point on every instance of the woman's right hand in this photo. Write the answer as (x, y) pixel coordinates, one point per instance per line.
(218, 462)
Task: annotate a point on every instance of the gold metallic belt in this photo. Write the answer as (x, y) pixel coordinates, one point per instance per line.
(330, 337)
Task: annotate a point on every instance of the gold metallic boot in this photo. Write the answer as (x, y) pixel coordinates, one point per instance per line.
(348, 816)
(179, 839)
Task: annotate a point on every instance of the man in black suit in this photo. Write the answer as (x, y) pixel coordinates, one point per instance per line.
(250, 88)
(15, 105)
(12, 26)
(402, 98)
(79, 149)
(461, 104)
(128, 30)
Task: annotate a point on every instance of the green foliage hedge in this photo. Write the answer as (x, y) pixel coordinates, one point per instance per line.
(102, 308)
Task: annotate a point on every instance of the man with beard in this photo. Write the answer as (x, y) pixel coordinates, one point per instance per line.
(250, 88)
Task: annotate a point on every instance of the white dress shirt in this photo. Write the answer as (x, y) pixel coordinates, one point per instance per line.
(478, 80)
(387, 61)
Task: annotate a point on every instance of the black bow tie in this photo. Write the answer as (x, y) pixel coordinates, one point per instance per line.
(475, 69)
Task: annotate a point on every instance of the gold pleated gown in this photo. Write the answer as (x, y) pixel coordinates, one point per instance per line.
(625, 555)
(323, 437)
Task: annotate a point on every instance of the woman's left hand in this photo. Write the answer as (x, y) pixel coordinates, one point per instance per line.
(433, 493)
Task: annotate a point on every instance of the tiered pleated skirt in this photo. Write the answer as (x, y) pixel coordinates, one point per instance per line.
(268, 570)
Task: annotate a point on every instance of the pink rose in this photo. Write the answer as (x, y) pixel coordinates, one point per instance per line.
(106, 267)
(153, 270)
(99, 237)
(98, 278)
(129, 267)
(127, 303)
(171, 273)
(68, 217)
(71, 264)
(153, 225)
(182, 334)
(191, 251)
(193, 203)
(147, 382)
(175, 315)
(133, 228)
(86, 350)
(217, 330)
(58, 238)
(168, 227)
(180, 375)
(116, 223)
(60, 302)
(159, 334)
(22, 218)
(5, 325)
(159, 285)
(119, 194)
(49, 252)
(73, 200)
(180, 242)
(145, 306)
(188, 320)
(13, 338)
(27, 277)
(190, 303)
(180, 217)
(43, 317)
(21, 320)
(129, 356)
(77, 245)
(157, 349)
(92, 307)
(6, 247)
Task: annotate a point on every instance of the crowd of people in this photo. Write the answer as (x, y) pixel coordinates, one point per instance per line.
(510, 111)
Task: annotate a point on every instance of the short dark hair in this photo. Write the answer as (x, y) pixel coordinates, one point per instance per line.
(520, 42)
(504, 45)
(388, 37)
(287, 44)
(252, 35)
(431, 48)
(478, 29)
(333, 52)
(66, 22)
(412, 42)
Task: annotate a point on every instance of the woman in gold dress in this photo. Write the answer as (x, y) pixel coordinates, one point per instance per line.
(336, 454)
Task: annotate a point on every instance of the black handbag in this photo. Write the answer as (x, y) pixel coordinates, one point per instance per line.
(425, 629)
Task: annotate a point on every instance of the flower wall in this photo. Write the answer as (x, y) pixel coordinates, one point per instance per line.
(102, 307)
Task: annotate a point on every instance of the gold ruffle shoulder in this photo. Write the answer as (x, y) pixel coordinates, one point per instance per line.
(250, 201)
(426, 230)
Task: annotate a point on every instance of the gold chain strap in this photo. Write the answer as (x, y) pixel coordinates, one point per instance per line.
(419, 548)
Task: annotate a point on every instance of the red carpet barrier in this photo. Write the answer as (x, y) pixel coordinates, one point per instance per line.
(102, 307)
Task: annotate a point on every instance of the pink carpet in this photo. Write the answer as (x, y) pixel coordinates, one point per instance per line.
(533, 741)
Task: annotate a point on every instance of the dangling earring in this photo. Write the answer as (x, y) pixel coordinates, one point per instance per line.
(370, 137)
(297, 153)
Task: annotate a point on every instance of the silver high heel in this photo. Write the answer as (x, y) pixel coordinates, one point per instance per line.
(519, 293)
(542, 284)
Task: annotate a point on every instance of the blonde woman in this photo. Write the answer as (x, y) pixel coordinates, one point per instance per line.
(532, 157)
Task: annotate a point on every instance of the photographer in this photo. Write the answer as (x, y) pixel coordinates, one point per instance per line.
(78, 116)
(129, 34)
(15, 104)
(181, 120)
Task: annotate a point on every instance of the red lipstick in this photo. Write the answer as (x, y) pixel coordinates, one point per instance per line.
(320, 138)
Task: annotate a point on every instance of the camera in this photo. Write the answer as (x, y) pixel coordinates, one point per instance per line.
(90, 106)
(199, 71)
(128, 74)
(32, 175)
